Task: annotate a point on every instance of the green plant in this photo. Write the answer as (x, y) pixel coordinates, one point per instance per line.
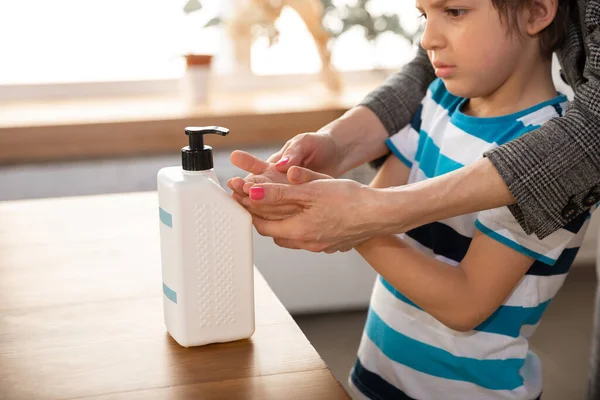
(196, 5)
(339, 19)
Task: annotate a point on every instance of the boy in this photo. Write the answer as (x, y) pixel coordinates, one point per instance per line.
(456, 300)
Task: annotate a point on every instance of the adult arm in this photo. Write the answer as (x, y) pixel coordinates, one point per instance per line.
(335, 214)
(358, 136)
(554, 172)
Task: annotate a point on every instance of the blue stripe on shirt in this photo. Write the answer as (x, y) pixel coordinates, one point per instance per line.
(510, 131)
(506, 320)
(561, 266)
(398, 153)
(415, 123)
(499, 130)
(493, 374)
(431, 161)
(513, 245)
(441, 96)
(445, 241)
(442, 240)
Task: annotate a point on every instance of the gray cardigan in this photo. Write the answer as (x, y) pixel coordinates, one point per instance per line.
(553, 172)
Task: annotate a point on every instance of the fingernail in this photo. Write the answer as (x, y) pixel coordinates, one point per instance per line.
(257, 193)
(283, 161)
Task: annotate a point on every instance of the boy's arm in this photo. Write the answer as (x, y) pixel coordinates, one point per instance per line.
(460, 297)
(393, 172)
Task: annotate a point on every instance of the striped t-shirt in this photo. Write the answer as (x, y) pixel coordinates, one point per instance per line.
(407, 354)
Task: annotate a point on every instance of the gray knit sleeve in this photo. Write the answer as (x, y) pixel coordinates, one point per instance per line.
(554, 172)
(398, 98)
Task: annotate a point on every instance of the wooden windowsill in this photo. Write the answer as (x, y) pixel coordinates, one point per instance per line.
(106, 128)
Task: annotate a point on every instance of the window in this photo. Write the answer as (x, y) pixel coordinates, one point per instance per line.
(52, 41)
(83, 41)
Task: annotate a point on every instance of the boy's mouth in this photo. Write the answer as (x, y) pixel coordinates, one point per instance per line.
(443, 70)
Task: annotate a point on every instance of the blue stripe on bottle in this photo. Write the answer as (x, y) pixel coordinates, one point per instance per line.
(490, 374)
(165, 217)
(170, 293)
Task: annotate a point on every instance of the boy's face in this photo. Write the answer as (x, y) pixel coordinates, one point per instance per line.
(472, 50)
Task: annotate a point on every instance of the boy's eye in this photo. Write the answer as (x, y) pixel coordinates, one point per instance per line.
(455, 12)
(423, 16)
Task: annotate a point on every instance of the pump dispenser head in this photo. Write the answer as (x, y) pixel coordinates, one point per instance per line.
(197, 156)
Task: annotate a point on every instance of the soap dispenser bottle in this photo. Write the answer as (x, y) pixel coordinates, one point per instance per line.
(206, 250)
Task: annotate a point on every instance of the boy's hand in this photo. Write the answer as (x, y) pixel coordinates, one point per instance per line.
(331, 214)
(260, 172)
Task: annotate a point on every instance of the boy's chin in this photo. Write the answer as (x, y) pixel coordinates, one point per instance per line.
(458, 88)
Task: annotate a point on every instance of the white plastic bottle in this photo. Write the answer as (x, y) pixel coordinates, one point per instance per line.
(206, 251)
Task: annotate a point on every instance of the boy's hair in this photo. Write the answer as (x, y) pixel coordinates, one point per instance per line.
(552, 36)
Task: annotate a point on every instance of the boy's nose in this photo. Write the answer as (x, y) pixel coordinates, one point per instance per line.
(432, 39)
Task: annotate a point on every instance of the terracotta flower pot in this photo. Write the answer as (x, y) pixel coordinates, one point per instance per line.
(195, 80)
(195, 60)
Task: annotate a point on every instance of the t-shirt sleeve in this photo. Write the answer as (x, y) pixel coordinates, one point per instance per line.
(404, 143)
(501, 225)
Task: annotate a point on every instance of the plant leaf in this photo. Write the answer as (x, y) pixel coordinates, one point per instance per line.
(213, 22)
(191, 6)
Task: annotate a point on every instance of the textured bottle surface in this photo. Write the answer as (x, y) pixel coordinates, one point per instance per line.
(206, 260)
(215, 262)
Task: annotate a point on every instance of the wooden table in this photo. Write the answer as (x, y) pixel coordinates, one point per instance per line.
(81, 315)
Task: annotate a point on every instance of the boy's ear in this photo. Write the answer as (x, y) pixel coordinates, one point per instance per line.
(541, 14)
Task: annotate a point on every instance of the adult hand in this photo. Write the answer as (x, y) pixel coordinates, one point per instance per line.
(353, 139)
(264, 172)
(315, 151)
(331, 215)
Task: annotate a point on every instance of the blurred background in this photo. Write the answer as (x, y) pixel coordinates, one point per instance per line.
(94, 97)
(93, 100)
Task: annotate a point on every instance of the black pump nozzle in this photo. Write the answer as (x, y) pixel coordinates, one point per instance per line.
(197, 156)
